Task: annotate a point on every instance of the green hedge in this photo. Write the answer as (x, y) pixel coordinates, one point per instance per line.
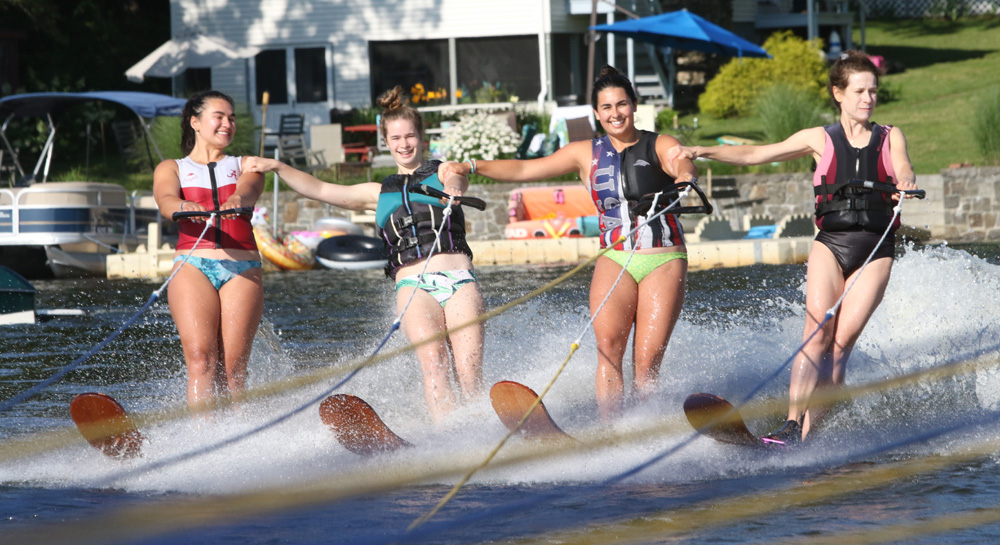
(796, 62)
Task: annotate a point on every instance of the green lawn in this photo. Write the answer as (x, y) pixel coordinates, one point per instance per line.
(947, 66)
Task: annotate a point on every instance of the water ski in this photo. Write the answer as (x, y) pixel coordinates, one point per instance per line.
(357, 426)
(715, 417)
(105, 425)
(512, 399)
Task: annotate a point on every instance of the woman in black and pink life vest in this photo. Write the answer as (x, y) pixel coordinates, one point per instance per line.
(217, 296)
(851, 223)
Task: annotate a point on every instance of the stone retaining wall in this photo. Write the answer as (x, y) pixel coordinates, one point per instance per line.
(962, 204)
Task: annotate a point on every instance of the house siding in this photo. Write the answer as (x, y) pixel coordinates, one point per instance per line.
(744, 11)
(348, 25)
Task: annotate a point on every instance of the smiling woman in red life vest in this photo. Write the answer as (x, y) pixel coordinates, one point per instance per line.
(216, 298)
(851, 223)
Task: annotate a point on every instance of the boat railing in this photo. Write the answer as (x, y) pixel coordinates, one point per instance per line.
(14, 203)
(142, 199)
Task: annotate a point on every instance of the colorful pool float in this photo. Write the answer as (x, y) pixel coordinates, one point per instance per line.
(294, 256)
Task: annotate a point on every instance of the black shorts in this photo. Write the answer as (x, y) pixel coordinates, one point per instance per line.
(852, 248)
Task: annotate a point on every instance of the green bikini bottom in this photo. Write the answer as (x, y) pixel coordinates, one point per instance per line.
(642, 264)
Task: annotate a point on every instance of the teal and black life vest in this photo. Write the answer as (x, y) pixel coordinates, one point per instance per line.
(408, 221)
(840, 207)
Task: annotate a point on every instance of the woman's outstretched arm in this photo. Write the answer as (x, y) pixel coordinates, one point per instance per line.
(352, 197)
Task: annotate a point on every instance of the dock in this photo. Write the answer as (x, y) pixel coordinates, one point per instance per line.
(156, 264)
(701, 255)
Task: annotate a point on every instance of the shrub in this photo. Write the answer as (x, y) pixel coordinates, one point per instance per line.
(796, 62)
(479, 136)
(532, 116)
(665, 120)
(986, 126)
(785, 109)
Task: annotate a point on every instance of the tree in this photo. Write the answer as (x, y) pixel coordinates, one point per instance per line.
(75, 45)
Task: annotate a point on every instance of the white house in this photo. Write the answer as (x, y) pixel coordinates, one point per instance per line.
(317, 55)
(322, 54)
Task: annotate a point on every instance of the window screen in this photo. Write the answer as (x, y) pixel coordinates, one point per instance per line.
(310, 74)
(407, 63)
(507, 64)
(271, 71)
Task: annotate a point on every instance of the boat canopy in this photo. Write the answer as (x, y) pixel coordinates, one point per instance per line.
(146, 107)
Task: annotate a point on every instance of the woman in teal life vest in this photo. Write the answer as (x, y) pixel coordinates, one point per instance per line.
(620, 169)
(447, 294)
(850, 222)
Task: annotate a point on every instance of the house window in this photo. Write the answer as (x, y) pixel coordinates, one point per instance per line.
(494, 69)
(407, 63)
(310, 74)
(271, 76)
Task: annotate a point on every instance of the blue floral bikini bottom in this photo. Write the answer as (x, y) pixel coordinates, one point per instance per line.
(219, 271)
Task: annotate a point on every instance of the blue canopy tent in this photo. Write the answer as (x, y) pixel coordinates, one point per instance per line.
(145, 106)
(683, 30)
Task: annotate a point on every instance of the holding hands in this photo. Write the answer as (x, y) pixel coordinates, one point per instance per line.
(262, 165)
(681, 152)
(453, 168)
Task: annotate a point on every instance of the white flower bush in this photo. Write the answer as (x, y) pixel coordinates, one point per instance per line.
(479, 136)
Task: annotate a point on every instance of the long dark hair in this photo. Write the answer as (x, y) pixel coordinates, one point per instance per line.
(611, 77)
(195, 105)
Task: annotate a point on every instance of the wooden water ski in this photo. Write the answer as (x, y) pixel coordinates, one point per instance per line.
(106, 425)
(511, 401)
(715, 417)
(357, 426)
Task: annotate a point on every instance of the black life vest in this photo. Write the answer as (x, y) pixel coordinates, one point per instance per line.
(843, 208)
(642, 174)
(408, 221)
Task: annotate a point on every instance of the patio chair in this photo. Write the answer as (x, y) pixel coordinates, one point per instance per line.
(579, 128)
(292, 150)
(288, 125)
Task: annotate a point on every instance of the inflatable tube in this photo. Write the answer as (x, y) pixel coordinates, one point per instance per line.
(351, 252)
(311, 239)
(282, 256)
(301, 250)
(341, 225)
(546, 228)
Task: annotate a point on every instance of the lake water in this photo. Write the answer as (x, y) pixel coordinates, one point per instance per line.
(293, 483)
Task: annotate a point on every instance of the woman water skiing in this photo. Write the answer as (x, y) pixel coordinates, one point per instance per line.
(620, 169)
(447, 294)
(217, 299)
(851, 224)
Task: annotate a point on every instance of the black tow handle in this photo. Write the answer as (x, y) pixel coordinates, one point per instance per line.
(241, 211)
(474, 202)
(886, 188)
(642, 206)
(704, 208)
